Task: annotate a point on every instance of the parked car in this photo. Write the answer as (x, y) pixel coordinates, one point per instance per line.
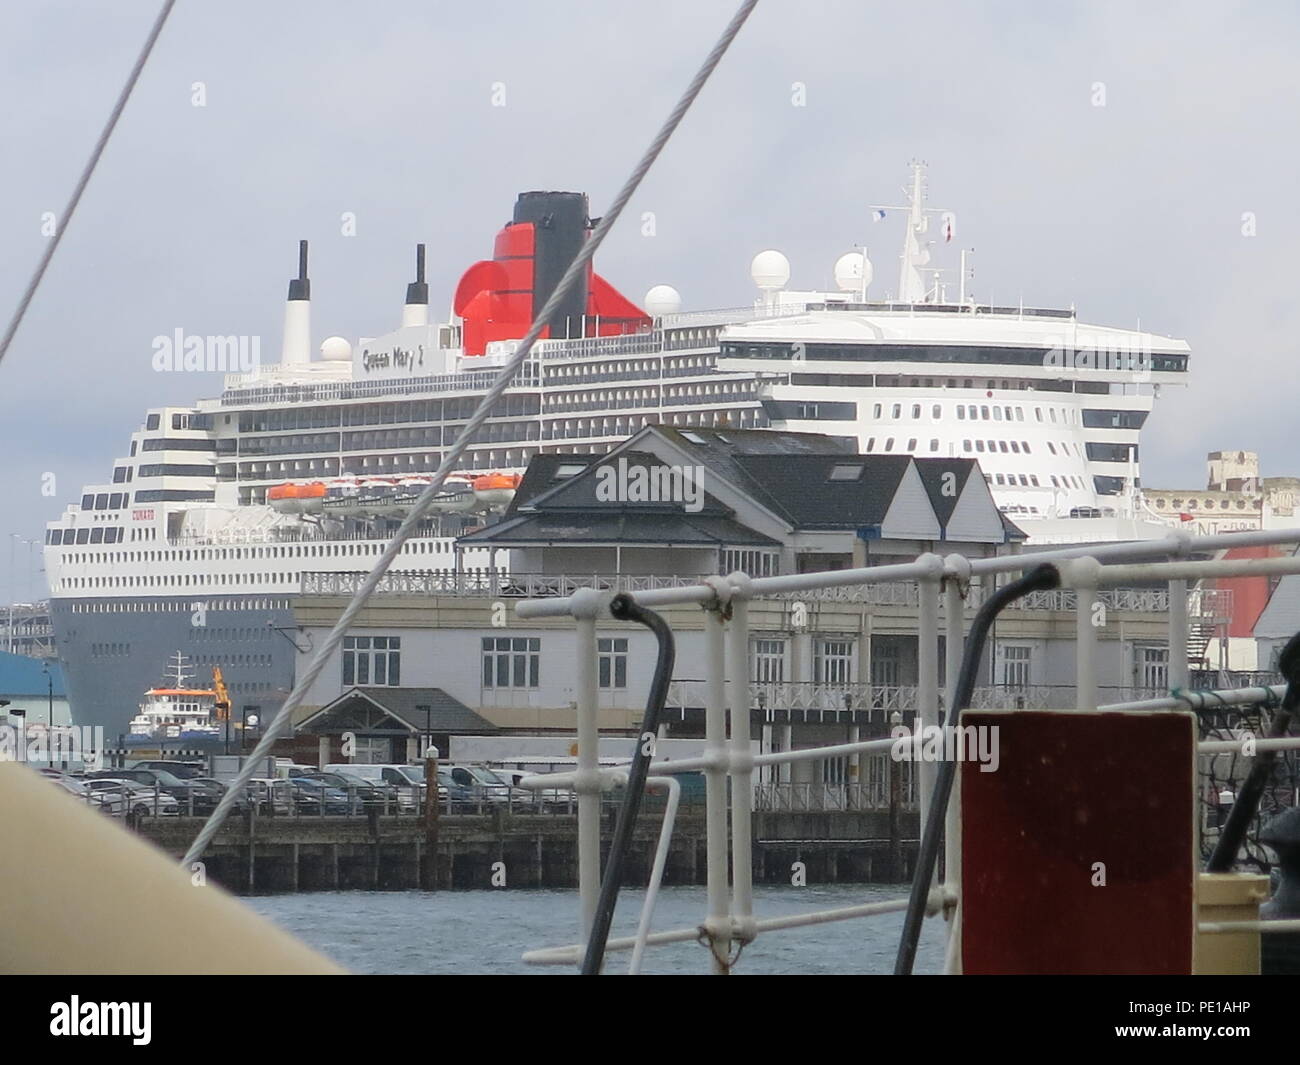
(404, 782)
(484, 783)
(191, 794)
(269, 796)
(139, 799)
(112, 805)
(363, 793)
(180, 770)
(317, 797)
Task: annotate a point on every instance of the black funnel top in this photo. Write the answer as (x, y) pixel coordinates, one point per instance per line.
(561, 223)
(300, 287)
(418, 291)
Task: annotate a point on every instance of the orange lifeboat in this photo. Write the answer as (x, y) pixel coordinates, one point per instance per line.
(496, 489)
(290, 498)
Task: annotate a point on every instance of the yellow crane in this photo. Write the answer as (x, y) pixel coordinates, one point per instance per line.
(222, 706)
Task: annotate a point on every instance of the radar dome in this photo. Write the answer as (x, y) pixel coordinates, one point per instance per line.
(661, 300)
(770, 270)
(853, 272)
(335, 349)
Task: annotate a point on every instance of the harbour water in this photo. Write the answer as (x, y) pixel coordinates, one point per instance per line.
(485, 932)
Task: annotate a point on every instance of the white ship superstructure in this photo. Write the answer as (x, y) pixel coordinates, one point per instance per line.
(214, 517)
(1050, 406)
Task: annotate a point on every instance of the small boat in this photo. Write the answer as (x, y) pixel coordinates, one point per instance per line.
(176, 710)
(293, 498)
(496, 489)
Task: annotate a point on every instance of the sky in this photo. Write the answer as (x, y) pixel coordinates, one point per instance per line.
(1135, 161)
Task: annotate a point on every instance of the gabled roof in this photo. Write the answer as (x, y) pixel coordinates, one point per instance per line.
(721, 449)
(633, 470)
(543, 474)
(615, 525)
(811, 496)
(942, 490)
(405, 707)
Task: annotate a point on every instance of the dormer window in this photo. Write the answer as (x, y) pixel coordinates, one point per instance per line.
(846, 472)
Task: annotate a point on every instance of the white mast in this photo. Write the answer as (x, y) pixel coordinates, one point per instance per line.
(911, 289)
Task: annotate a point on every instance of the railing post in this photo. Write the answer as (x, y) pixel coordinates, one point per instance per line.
(1082, 574)
(927, 664)
(1179, 666)
(957, 569)
(715, 789)
(742, 763)
(586, 603)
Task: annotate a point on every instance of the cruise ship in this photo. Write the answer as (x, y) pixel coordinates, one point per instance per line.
(218, 514)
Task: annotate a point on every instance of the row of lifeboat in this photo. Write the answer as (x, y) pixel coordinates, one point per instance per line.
(393, 496)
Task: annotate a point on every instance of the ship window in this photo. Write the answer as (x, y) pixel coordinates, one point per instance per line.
(1002, 446)
(1024, 445)
(911, 445)
(961, 412)
(875, 410)
(898, 410)
(997, 477)
(1033, 479)
(979, 446)
(889, 444)
(965, 445)
(88, 502)
(101, 501)
(152, 421)
(1038, 413)
(934, 445)
(984, 413)
(1020, 414)
(916, 410)
(936, 411)
(1051, 447)
(871, 444)
(1015, 447)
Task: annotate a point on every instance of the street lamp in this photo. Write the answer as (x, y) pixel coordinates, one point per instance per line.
(246, 719)
(49, 734)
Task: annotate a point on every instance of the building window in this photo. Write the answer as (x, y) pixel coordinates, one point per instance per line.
(769, 661)
(373, 750)
(373, 660)
(511, 661)
(1154, 665)
(611, 662)
(1013, 665)
(833, 662)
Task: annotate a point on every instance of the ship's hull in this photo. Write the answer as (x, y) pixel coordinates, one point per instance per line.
(111, 650)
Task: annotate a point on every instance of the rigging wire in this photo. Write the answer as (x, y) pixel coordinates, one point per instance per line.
(499, 385)
(61, 223)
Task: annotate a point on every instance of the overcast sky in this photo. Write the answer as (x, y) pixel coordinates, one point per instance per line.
(1130, 211)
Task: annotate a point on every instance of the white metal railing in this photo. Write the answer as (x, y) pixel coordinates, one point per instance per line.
(728, 697)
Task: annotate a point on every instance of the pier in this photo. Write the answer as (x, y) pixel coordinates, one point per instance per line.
(511, 849)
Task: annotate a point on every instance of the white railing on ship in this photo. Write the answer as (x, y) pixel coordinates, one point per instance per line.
(871, 702)
(1085, 571)
(1213, 603)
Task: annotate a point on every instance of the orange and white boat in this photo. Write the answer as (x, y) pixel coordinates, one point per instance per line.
(496, 489)
(294, 498)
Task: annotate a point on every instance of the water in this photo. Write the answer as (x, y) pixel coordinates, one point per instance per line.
(485, 932)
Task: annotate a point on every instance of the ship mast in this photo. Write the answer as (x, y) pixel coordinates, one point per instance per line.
(911, 289)
(179, 671)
